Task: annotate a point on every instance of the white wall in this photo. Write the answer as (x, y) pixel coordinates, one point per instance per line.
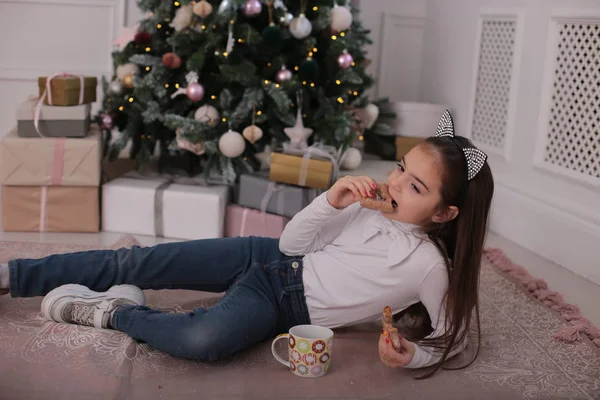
(398, 32)
(45, 37)
(549, 210)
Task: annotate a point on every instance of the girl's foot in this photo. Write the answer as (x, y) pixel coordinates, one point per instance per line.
(77, 304)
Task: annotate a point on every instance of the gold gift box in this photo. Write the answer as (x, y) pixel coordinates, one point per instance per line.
(404, 144)
(50, 209)
(286, 168)
(65, 90)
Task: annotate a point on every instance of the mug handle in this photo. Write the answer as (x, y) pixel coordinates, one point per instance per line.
(277, 356)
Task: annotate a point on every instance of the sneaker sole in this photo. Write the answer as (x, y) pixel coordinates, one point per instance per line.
(85, 295)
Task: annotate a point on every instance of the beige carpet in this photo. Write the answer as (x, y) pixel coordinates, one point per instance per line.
(519, 358)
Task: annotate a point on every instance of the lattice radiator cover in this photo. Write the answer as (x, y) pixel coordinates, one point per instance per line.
(493, 82)
(573, 124)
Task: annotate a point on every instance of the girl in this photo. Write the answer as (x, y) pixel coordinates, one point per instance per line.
(336, 264)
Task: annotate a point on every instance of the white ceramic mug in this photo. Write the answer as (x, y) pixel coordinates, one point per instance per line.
(309, 350)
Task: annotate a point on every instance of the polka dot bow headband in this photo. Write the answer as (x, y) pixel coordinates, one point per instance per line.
(475, 157)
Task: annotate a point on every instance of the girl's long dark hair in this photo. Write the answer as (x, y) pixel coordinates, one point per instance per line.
(460, 241)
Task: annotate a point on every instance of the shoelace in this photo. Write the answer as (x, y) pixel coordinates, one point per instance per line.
(83, 314)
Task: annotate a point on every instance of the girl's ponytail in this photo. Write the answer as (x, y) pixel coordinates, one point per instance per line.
(460, 241)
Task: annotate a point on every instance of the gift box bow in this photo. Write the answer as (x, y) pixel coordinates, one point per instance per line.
(318, 149)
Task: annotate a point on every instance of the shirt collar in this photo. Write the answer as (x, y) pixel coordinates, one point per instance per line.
(405, 237)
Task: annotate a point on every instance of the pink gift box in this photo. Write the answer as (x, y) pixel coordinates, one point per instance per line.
(242, 221)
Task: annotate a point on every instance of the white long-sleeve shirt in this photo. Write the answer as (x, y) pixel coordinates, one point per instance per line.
(356, 262)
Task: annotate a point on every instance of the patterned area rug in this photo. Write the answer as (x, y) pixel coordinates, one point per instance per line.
(519, 358)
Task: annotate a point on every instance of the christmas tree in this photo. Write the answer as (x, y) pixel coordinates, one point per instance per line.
(198, 75)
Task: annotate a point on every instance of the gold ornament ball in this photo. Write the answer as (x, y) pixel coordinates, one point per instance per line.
(203, 9)
(128, 81)
(252, 133)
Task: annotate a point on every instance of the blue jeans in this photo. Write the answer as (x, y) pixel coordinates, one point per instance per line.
(264, 293)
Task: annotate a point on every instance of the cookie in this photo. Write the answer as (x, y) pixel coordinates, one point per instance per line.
(381, 200)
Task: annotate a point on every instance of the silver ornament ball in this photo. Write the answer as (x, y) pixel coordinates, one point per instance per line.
(115, 87)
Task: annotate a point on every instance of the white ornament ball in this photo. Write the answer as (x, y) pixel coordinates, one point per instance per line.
(351, 159)
(232, 144)
(252, 133)
(127, 69)
(340, 18)
(300, 27)
(371, 115)
(207, 114)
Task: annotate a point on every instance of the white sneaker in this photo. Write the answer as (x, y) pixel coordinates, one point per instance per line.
(77, 304)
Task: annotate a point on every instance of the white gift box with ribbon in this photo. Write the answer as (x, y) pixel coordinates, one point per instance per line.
(160, 206)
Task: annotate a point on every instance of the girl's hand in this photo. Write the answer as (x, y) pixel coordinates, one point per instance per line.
(395, 358)
(350, 189)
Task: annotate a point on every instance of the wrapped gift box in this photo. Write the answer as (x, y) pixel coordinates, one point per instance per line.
(242, 221)
(280, 199)
(161, 208)
(51, 161)
(287, 168)
(71, 121)
(65, 90)
(404, 144)
(50, 209)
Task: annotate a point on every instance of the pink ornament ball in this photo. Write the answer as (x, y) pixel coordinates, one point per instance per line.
(195, 92)
(107, 121)
(283, 75)
(345, 60)
(252, 8)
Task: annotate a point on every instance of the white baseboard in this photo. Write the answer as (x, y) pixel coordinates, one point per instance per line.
(564, 238)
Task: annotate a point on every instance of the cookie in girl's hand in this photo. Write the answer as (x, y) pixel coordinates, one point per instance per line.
(381, 200)
(388, 328)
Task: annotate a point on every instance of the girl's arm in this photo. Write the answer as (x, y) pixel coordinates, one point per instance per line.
(314, 227)
(431, 293)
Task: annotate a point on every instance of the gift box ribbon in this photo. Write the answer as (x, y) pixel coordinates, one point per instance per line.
(319, 150)
(159, 193)
(48, 92)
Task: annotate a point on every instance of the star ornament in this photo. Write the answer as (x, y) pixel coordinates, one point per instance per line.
(126, 35)
(298, 133)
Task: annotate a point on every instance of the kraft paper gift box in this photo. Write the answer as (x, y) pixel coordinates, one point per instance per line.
(242, 221)
(287, 168)
(50, 209)
(52, 121)
(404, 144)
(67, 90)
(258, 192)
(156, 206)
(51, 161)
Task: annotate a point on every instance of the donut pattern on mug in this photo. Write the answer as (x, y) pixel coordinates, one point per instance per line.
(303, 345)
(295, 356)
(309, 359)
(318, 346)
